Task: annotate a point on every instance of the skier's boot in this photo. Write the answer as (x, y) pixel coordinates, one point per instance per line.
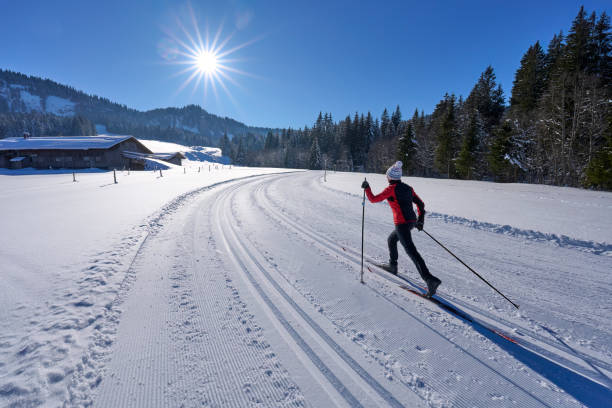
(432, 285)
(390, 267)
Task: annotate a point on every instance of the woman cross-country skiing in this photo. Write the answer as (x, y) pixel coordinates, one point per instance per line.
(401, 198)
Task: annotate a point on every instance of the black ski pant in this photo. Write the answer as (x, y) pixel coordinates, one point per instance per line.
(403, 235)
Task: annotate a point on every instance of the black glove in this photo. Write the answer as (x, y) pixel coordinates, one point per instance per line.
(365, 184)
(420, 222)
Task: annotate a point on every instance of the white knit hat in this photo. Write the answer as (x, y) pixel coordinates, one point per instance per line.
(395, 172)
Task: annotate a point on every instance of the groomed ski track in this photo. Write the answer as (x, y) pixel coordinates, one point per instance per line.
(246, 296)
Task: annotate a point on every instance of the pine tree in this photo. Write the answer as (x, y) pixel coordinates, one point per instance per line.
(579, 49)
(499, 156)
(369, 131)
(226, 146)
(467, 159)
(406, 149)
(487, 97)
(240, 157)
(396, 119)
(602, 64)
(385, 122)
(315, 161)
(529, 80)
(446, 137)
(599, 170)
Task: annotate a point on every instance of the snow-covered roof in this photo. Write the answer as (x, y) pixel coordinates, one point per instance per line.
(167, 156)
(161, 156)
(133, 155)
(61, 142)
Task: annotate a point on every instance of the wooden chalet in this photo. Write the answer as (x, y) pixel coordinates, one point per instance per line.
(71, 152)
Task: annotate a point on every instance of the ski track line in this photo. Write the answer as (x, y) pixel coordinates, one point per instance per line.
(563, 241)
(591, 361)
(299, 341)
(279, 386)
(439, 385)
(192, 348)
(340, 251)
(87, 374)
(222, 374)
(347, 359)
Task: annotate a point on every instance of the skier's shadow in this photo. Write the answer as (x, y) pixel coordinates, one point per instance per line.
(585, 390)
(588, 392)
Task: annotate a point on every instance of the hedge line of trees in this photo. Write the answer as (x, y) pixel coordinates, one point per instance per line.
(557, 128)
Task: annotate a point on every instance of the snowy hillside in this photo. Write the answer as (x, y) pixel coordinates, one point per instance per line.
(240, 287)
(193, 154)
(24, 94)
(18, 99)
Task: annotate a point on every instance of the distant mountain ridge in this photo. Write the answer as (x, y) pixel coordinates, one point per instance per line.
(26, 98)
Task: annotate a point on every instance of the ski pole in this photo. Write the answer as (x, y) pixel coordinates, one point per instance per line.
(473, 271)
(362, 228)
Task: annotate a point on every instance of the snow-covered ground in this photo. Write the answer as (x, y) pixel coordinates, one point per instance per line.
(240, 287)
(192, 153)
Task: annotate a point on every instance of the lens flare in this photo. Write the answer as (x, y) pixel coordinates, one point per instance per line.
(205, 59)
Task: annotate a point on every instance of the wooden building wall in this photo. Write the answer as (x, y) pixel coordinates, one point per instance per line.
(76, 159)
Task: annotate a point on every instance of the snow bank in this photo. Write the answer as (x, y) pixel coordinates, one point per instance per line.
(562, 211)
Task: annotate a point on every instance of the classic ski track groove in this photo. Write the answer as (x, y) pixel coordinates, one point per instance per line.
(203, 286)
(301, 342)
(155, 226)
(346, 253)
(336, 250)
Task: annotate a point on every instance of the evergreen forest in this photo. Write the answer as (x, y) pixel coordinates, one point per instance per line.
(555, 127)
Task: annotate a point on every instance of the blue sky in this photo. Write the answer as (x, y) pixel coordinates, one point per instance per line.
(301, 57)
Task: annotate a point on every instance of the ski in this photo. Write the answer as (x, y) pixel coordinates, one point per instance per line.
(446, 306)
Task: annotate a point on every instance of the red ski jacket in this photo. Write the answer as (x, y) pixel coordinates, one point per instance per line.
(400, 197)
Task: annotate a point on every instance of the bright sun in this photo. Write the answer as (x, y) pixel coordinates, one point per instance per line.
(206, 59)
(206, 62)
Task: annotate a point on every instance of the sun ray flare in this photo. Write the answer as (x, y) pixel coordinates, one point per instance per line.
(206, 57)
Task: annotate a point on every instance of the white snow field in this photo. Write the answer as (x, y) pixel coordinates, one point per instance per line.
(240, 287)
(193, 153)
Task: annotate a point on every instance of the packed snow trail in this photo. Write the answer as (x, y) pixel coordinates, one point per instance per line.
(188, 337)
(248, 295)
(590, 392)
